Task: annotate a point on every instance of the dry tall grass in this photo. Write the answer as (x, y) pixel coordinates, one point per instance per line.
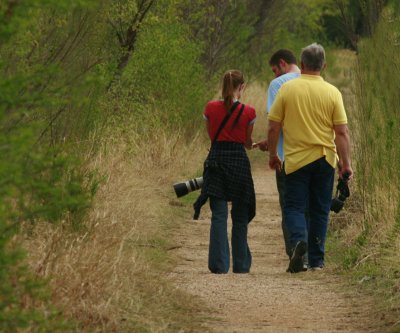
(372, 206)
(111, 276)
(366, 240)
(255, 95)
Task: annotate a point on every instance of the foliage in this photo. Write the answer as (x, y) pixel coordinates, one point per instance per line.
(73, 72)
(224, 28)
(24, 299)
(368, 239)
(163, 84)
(244, 34)
(351, 20)
(303, 28)
(58, 85)
(39, 179)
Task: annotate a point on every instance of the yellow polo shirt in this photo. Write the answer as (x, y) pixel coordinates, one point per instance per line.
(307, 108)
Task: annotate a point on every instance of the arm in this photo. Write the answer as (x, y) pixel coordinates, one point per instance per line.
(271, 94)
(208, 128)
(207, 122)
(274, 129)
(342, 141)
(249, 140)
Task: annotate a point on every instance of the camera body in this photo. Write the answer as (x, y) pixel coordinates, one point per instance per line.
(342, 193)
(337, 203)
(190, 185)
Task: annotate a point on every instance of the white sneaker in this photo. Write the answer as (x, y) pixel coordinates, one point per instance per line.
(313, 269)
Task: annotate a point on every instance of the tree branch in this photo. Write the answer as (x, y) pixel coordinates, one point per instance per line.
(130, 38)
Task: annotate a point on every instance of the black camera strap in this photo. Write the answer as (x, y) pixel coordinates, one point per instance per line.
(228, 115)
(238, 116)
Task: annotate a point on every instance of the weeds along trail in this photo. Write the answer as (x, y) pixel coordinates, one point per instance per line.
(110, 276)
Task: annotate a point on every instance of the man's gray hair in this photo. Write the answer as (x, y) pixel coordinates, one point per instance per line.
(313, 57)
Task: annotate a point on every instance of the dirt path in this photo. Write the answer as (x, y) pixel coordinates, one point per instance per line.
(268, 299)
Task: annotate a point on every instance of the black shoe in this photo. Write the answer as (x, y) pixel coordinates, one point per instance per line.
(218, 272)
(296, 264)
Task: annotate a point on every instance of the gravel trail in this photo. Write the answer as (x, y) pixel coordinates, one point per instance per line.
(268, 299)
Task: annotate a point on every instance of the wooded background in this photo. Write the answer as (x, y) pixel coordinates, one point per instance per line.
(81, 75)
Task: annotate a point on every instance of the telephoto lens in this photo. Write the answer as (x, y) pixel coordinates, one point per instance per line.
(190, 185)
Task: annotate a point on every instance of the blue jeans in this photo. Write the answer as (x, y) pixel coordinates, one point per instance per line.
(218, 255)
(281, 186)
(315, 182)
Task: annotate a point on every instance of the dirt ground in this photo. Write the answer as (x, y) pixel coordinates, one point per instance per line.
(267, 299)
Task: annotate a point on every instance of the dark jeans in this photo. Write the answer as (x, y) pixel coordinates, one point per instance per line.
(218, 255)
(315, 182)
(281, 186)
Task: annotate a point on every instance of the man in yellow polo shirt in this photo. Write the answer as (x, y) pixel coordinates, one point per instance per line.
(311, 114)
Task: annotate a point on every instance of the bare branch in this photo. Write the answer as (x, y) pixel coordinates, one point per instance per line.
(130, 38)
(50, 124)
(119, 35)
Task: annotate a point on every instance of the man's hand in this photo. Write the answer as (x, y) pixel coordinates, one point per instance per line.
(342, 141)
(345, 170)
(262, 145)
(275, 163)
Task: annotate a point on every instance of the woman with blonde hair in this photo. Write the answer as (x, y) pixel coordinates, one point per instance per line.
(227, 176)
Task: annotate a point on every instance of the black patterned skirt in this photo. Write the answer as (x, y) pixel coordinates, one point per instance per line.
(227, 175)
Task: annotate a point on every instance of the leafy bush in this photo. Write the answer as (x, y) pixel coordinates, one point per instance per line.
(38, 181)
(163, 84)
